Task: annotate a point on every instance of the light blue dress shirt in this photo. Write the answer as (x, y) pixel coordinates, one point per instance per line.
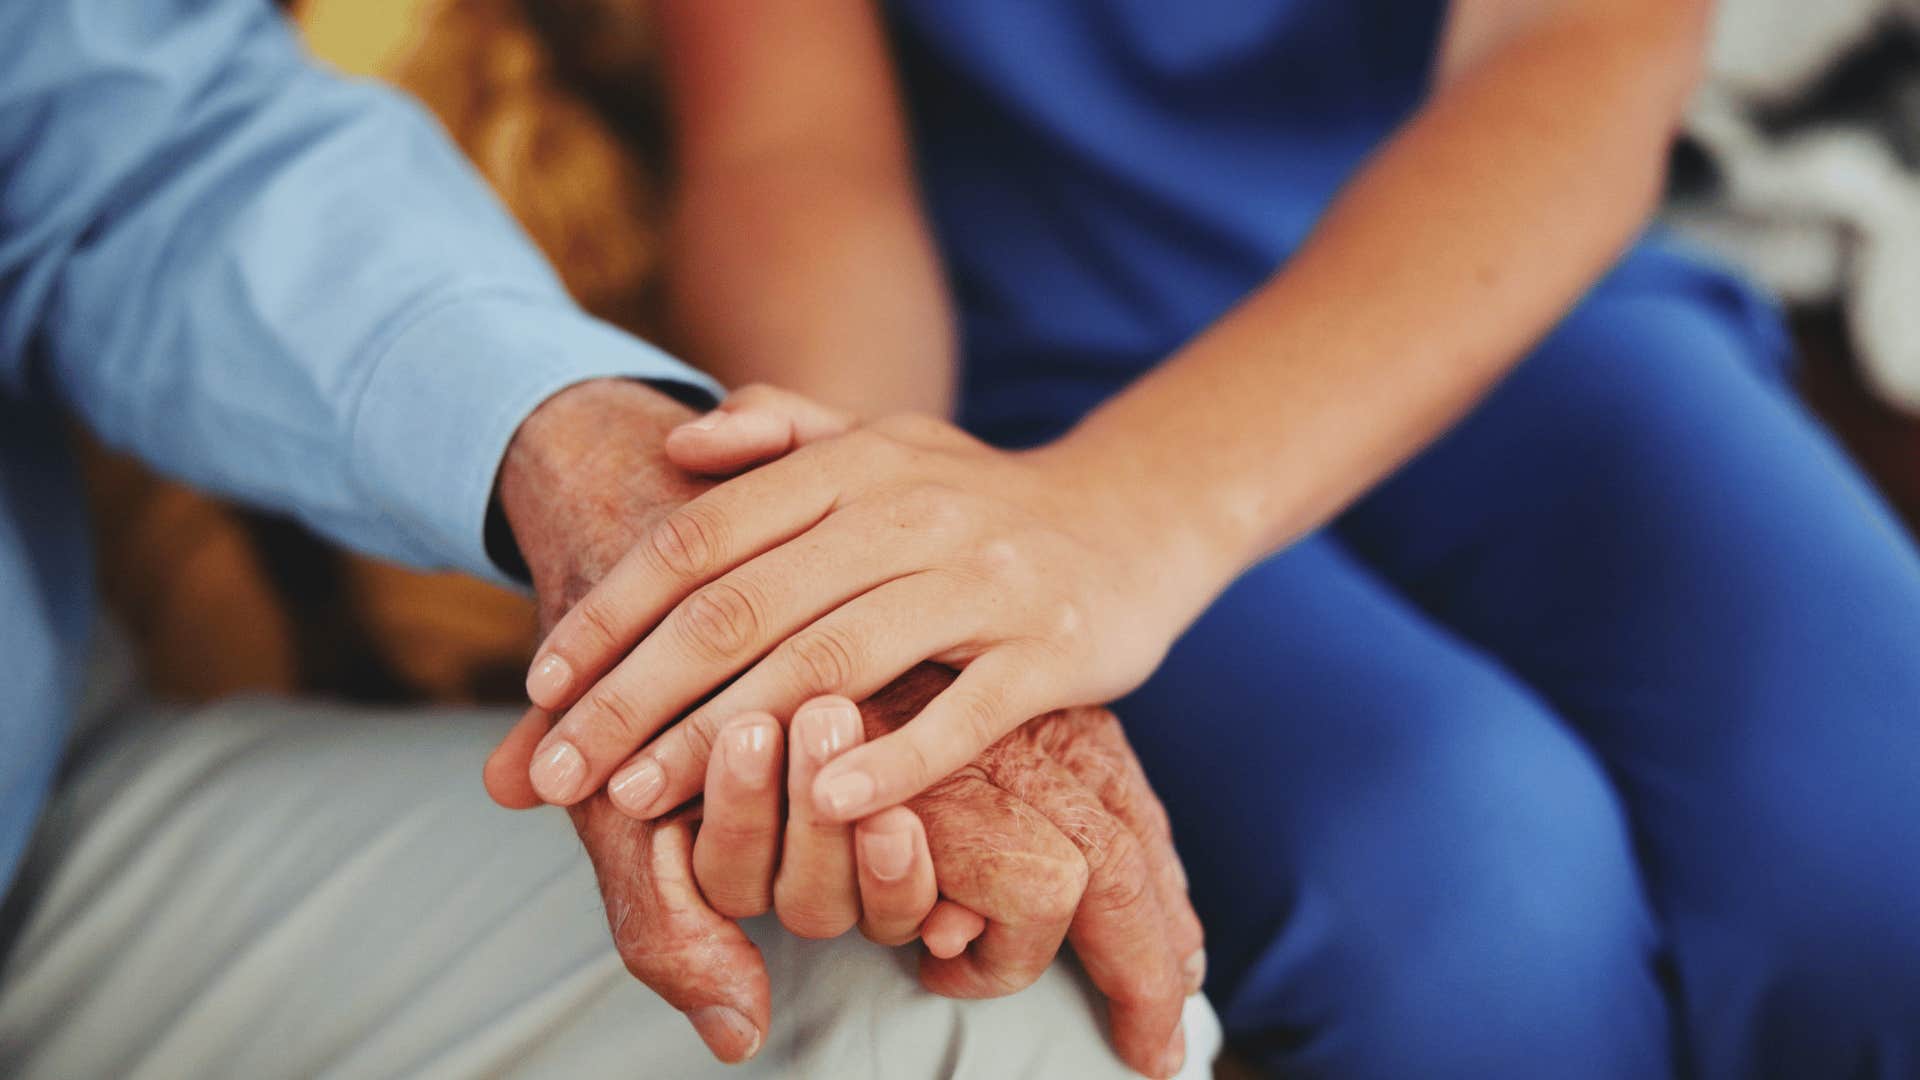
(266, 280)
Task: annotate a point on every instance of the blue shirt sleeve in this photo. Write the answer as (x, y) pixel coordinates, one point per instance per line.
(270, 281)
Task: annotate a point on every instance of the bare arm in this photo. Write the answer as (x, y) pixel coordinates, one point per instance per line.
(1535, 162)
(1061, 575)
(799, 253)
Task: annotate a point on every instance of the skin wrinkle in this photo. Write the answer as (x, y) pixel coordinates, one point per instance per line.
(992, 852)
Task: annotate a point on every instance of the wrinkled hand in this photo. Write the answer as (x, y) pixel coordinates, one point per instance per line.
(1052, 830)
(836, 567)
(1052, 833)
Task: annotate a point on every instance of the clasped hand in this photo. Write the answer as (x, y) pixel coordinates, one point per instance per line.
(848, 557)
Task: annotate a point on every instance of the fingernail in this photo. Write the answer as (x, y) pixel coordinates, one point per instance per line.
(556, 774)
(637, 786)
(888, 855)
(549, 679)
(705, 423)
(1196, 969)
(847, 793)
(1176, 1055)
(720, 1026)
(829, 729)
(747, 748)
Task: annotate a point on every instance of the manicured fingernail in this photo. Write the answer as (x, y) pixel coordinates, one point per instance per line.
(1196, 969)
(635, 788)
(556, 774)
(845, 794)
(721, 1027)
(747, 753)
(887, 854)
(548, 681)
(1176, 1055)
(828, 729)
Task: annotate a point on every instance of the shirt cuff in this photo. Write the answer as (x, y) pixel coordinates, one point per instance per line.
(450, 389)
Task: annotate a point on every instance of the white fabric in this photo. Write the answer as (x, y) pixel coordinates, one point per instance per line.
(1825, 211)
(268, 889)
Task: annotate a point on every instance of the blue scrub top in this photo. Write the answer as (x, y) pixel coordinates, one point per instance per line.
(1107, 177)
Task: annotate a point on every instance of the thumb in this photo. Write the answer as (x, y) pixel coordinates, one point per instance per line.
(755, 425)
(505, 773)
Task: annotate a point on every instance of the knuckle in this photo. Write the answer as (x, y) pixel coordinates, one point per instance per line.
(823, 658)
(687, 542)
(941, 512)
(720, 620)
(812, 920)
(738, 904)
(596, 624)
(699, 732)
(977, 715)
(614, 708)
(1118, 873)
(1067, 623)
(885, 930)
(1059, 903)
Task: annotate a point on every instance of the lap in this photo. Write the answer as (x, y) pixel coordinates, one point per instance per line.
(1657, 537)
(276, 889)
(1649, 530)
(1390, 839)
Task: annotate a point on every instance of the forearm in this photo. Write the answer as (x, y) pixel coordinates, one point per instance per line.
(1460, 244)
(814, 273)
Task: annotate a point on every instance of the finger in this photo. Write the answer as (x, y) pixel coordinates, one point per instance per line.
(995, 856)
(950, 929)
(1105, 762)
(668, 937)
(853, 651)
(708, 639)
(753, 425)
(505, 773)
(738, 843)
(988, 699)
(815, 893)
(897, 891)
(1118, 930)
(694, 544)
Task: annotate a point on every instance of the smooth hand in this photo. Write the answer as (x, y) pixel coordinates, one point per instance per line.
(835, 568)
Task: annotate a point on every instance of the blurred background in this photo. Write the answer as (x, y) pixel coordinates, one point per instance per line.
(1801, 164)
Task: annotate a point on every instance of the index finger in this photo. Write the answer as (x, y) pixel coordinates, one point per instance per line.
(698, 961)
(691, 546)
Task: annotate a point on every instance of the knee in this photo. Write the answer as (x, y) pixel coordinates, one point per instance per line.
(1478, 913)
(1817, 973)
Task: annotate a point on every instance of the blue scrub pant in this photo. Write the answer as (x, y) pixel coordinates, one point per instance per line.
(1588, 745)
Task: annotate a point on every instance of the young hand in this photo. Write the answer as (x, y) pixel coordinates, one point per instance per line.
(820, 877)
(837, 567)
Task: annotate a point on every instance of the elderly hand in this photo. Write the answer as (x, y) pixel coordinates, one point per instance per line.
(584, 479)
(1052, 833)
(835, 568)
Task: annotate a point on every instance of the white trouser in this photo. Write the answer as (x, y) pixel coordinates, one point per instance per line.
(267, 889)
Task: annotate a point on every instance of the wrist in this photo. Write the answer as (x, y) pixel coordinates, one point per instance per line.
(588, 456)
(1174, 550)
